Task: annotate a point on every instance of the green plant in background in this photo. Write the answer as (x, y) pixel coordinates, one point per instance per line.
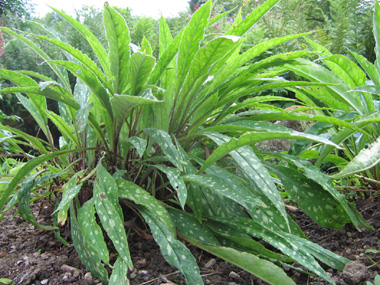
(352, 95)
(171, 140)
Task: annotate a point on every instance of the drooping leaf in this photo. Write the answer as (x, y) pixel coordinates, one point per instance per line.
(139, 143)
(87, 254)
(163, 139)
(364, 160)
(91, 231)
(252, 167)
(119, 273)
(200, 236)
(129, 190)
(175, 252)
(97, 47)
(111, 221)
(176, 181)
(122, 104)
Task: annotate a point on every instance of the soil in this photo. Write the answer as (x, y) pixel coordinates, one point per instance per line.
(32, 256)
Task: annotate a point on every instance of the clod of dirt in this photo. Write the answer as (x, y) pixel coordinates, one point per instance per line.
(355, 273)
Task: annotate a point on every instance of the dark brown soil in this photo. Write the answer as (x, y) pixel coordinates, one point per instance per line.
(33, 256)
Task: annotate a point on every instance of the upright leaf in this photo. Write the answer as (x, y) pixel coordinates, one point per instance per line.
(117, 34)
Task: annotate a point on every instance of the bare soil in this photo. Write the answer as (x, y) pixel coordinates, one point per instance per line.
(33, 256)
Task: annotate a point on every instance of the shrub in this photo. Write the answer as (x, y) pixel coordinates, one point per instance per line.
(169, 139)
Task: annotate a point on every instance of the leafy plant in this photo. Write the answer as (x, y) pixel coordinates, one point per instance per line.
(170, 140)
(352, 95)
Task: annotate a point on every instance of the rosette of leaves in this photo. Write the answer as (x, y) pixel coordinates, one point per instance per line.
(166, 138)
(351, 94)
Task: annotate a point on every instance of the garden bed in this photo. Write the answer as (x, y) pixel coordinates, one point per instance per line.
(33, 256)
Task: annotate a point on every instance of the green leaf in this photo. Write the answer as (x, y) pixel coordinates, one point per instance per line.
(97, 47)
(199, 235)
(91, 231)
(122, 104)
(139, 143)
(176, 181)
(311, 198)
(69, 190)
(163, 139)
(90, 80)
(27, 168)
(368, 67)
(249, 21)
(86, 252)
(110, 218)
(68, 196)
(38, 113)
(165, 36)
(42, 54)
(129, 190)
(175, 252)
(17, 78)
(141, 68)
(119, 273)
(117, 34)
(190, 41)
(317, 73)
(282, 241)
(79, 56)
(253, 137)
(313, 173)
(252, 167)
(221, 187)
(63, 127)
(366, 159)
(59, 94)
(373, 89)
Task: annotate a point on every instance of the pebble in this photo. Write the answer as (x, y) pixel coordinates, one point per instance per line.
(355, 273)
(143, 272)
(44, 282)
(44, 256)
(210, 263)
(67, 268)
(234, 275)
(88, 278)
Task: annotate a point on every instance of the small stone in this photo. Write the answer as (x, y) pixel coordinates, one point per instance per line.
(210, 263)
(355, 273)
(44, 282)
(88, 278)
(76, 273)
(234, 275)
(66, 277)
(349, 234)
(143, 272)
(44, 256)
(67, 268)
(232, 283)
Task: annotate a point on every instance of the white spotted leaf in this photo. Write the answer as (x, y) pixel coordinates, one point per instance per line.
(311, 198)
(119, 273)
(201, 236)
(256, 173)
(129, 190)
(86, 252)
(176, 181)
(280, 240)
(111, 221)
(139, 143)
(174, 251)
(92, 231)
